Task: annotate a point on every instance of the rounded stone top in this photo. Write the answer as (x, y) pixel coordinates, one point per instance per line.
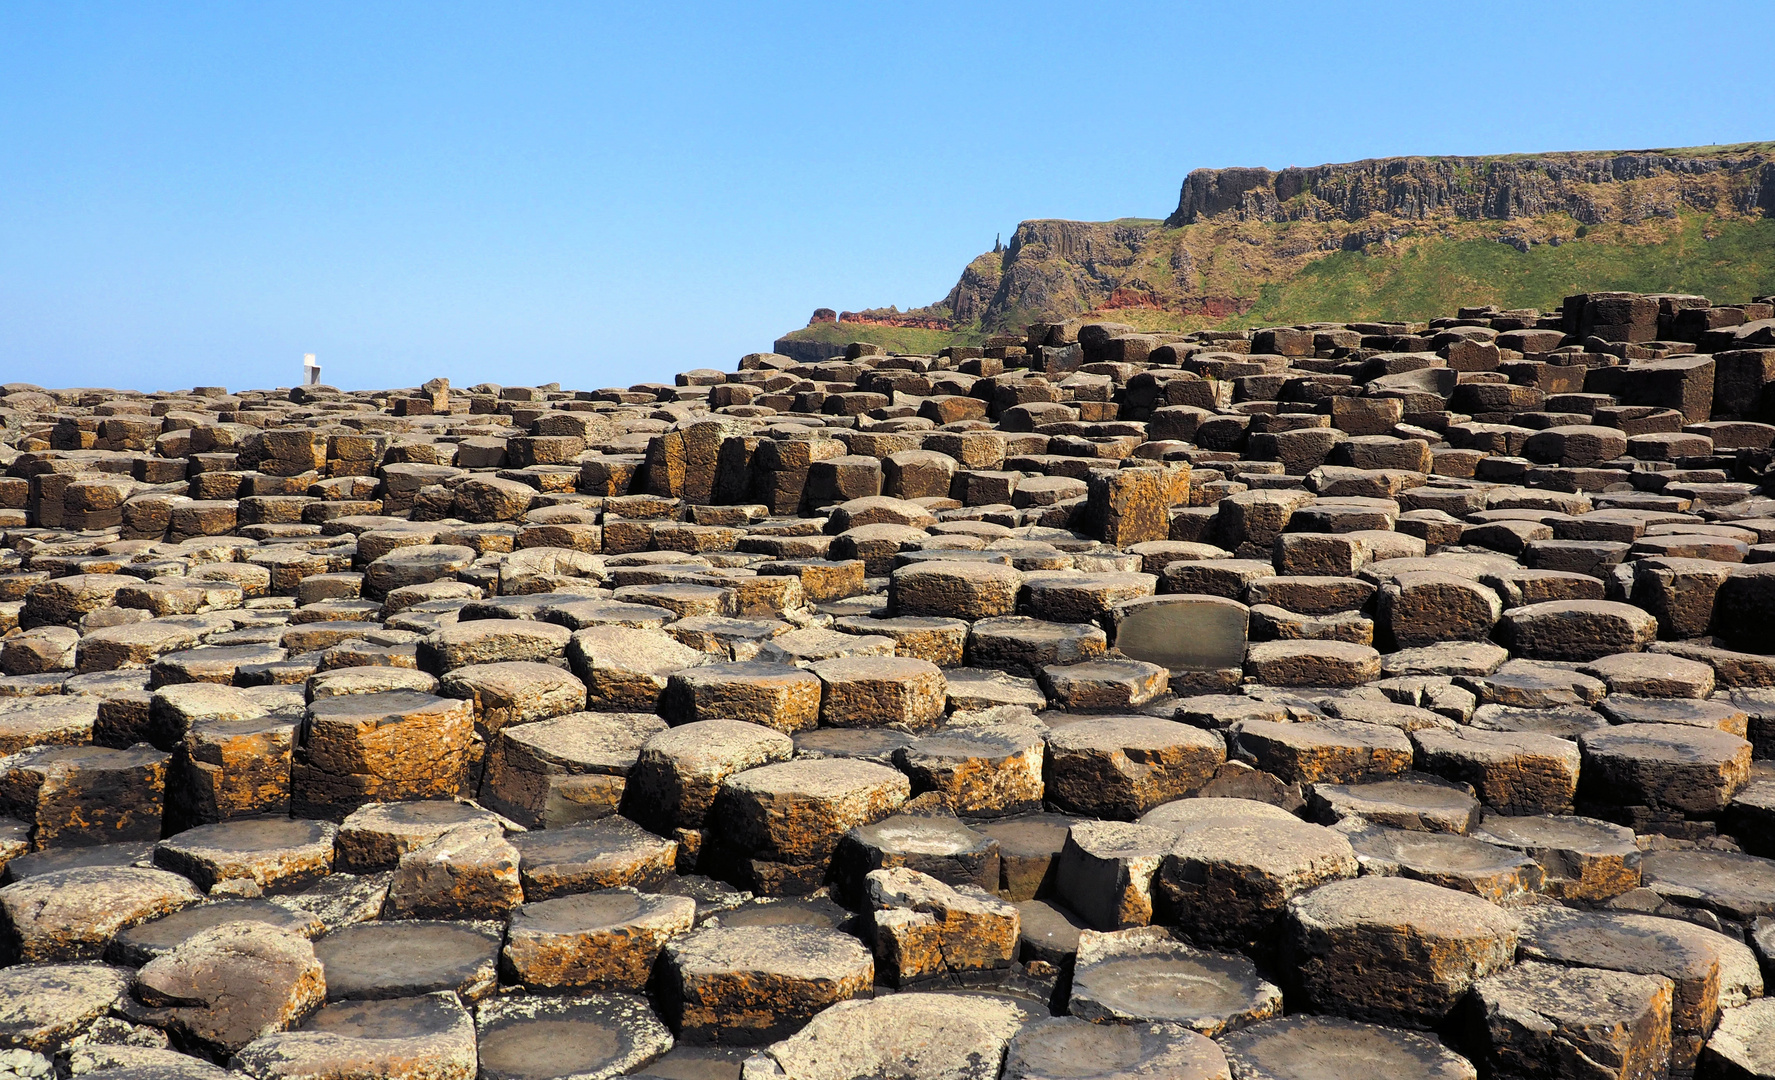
(1429, 794)
(1327, 1048)
(601, 910)
(1129, 733)
(144, 941)
(1390, 903)
(795, 951)
(1558, 831)
(541, 1038)
(600, 742)
(830, 777)
(427, 554)
(1433, 852)
(947, 565)
(1581, 607)
(400, 958)
(70, 758)
(705, 745)
(1664, 742)
(910, 835)
(1181, 815)
(46, 1002)
(846, 668)
(871, 744)
(754, 671)
(988, 740)
(253, 834)
(1282, 848)
(909, 1034)
(427, 815)
(1067, 1046)
(397, 1018)
(1688, 712)
(387, 704)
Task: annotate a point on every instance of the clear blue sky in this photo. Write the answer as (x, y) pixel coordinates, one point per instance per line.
(603, 194)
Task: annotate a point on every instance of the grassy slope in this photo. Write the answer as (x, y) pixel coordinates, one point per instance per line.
(1424, 278)
(897, 339)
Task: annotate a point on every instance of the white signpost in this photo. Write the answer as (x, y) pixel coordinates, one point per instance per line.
(310, 370)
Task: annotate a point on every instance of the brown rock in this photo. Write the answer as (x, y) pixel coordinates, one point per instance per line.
(157, 937)
(794, 813)
(1425, 607)
(603, 854)
(908, 1034)
(492, 641)
(877, 691)
(275, 854)
(232, 984)
(605, 940)
(678, 773)
(81, 795)
(470, 872)
(231, 768)
(955, 590)
(1338, 751)
(379, 960)
(1226, 880)
(380, 747)
(938, 845)
(514, 692)
(1105, 872)
(422, 1038)
(1616, 1023)
(925, 929)
(1122, 766)
(73, 914)
(743, 986)
(1392, 950)
(626, 669)
(565, 770)
(1667, 767)
(1577, 629)
(772, 695)
(1501, 875)
(989, 771)
(1312, 663)
(1303, 1047)
(1066, 1046)
(44, 1005)
(376, 836)
(1142, 976)
(1582, 858)
(1512, 771)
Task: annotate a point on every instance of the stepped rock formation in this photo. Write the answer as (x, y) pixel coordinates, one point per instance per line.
(1314, 701)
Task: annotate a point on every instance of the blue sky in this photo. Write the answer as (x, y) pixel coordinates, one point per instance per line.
(605, 194)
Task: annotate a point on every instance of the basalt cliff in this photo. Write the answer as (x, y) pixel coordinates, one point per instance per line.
(1396, 236)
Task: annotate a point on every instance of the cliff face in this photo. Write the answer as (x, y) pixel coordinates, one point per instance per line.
(1431, 224)
(1592, 188)
(1049, 266)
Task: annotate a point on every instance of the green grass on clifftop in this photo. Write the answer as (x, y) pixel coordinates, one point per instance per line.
(1430, 277)
(895, 339)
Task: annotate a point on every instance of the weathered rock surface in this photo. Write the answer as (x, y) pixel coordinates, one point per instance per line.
(1367, 659)
(752, 985)
(417, 1038)
(1389, 950)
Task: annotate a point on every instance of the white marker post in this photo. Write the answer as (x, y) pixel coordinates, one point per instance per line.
(310, 370)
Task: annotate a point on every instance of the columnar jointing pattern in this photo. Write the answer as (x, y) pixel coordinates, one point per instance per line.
(1336, 701)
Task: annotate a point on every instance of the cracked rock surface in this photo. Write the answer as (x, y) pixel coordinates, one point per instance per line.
(1339, 701)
